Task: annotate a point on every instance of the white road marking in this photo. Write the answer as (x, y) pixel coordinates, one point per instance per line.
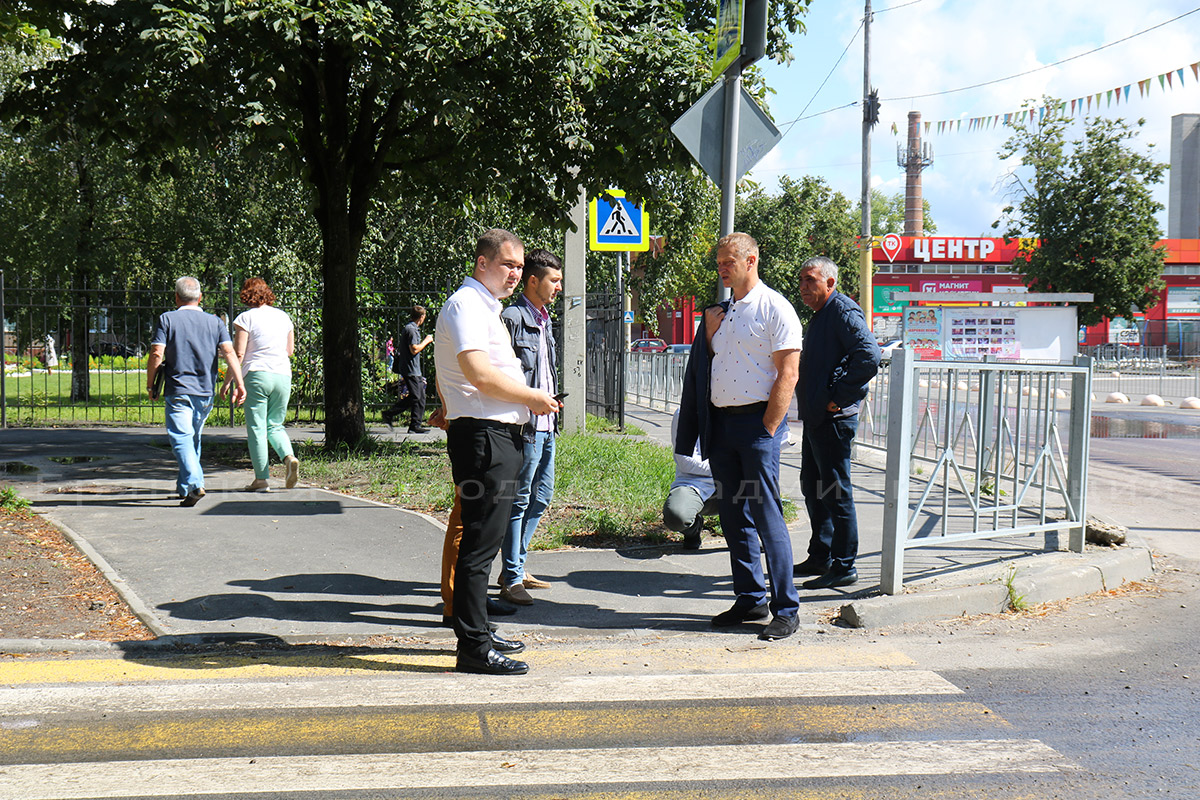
(188, 777)
(470, 690)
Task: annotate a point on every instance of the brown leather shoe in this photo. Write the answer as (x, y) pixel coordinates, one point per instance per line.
(516, 595)
(531, 582)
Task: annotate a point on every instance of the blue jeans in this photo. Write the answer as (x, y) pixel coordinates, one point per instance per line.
(828, 493)
(186, 414)
(535, 490)
(745, 467)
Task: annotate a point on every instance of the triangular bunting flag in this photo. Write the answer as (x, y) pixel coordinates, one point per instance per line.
(1110, 98)
(1162, 82)
(1127, 92)
(894, 131)
(927, 126)
(1180, 73)
(958, 127)
(1118, 91)
(1196, 70)
(1169, 81)
(1089, 99)
(1072, 108)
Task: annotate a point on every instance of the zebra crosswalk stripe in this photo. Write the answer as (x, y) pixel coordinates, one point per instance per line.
(186, 777)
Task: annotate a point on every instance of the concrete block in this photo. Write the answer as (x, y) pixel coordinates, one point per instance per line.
(881, 612)
(1057, 583)
(1116, 397)
(1190, 403)
(1125, 564)
(1153, 400)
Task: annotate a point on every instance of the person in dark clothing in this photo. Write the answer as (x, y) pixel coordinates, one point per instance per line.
(839, 360)
(407, 365)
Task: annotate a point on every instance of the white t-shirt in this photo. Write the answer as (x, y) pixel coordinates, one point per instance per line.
(470, 320)
(266, 345)
(760, 324)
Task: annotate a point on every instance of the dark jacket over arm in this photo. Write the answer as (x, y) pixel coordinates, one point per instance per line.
(839, 359)
(694, 420)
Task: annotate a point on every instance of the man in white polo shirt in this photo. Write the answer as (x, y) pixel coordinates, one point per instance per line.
(487, 405)
(755, 347)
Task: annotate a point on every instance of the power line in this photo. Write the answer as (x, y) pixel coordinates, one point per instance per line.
(893, 8)
(1047, 66)
(827, 77)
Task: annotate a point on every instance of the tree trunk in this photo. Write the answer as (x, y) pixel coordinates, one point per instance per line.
(81, 310)
(344, 423)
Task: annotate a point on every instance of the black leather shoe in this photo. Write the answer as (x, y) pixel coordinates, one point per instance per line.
(833, 579)
(418, 429)
(810, 567)
(496, 608)
(780, 628)
(739, 614)
(493, 664)
(506, 646)
(388, 420)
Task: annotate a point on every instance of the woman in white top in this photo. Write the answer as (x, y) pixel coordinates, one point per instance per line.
(264, 339)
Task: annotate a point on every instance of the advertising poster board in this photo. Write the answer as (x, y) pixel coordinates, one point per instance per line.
(923, 332)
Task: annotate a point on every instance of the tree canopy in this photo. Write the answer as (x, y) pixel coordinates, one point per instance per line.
(421, 102)
(1090, 204)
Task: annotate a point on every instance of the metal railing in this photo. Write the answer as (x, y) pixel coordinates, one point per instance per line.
(655, 380)
(101, 331)
(978, 451)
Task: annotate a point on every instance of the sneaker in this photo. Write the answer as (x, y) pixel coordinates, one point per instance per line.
(531, 582)
(780, 628)
(291, 466)
(833, 579)
(259, 485)
(516, 595)
(739, 614)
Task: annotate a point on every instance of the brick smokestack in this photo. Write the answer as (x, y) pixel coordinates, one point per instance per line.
(912, 159)
(914, 206)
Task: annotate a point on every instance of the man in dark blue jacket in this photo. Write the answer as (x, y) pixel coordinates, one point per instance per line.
(840, 358)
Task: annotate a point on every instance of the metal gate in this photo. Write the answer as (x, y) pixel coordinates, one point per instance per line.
(605, 357)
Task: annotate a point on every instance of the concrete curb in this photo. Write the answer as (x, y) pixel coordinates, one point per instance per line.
(1074, 576)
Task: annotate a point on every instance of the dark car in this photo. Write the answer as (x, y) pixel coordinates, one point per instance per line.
(679, 348)
(648, 346)
(97, 349)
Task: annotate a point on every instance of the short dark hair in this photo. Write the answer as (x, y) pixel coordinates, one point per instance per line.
(416, 312)
(539, 262)
(490, 242)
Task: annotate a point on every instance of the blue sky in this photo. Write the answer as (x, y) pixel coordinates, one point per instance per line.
(930, 47)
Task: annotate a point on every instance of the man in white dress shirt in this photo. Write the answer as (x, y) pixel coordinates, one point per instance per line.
(487, 406)
(755, 347)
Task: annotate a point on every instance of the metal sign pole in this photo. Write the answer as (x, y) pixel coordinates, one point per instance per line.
(733, 94)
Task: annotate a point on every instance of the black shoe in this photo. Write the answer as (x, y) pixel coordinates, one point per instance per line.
(810, 567)
(497, 608)
(192, 498)
(492, 664)
(780, 628)
(506, 646)
(418, 429)
(739, 614)
(691, 536)
(832, 579)
(389, 419)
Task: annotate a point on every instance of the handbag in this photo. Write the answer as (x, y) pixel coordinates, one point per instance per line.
(160, 381)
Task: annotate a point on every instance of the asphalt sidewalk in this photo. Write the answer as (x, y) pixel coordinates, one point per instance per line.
(311, 564)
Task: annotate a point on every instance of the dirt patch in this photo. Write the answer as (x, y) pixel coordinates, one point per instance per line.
(49, 590)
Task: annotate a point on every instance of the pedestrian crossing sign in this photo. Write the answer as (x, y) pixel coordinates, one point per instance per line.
(617, 224)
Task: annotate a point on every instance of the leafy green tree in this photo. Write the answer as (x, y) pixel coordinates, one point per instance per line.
(807, 218)
(887, 214)
(424, 101)
(1090, 204)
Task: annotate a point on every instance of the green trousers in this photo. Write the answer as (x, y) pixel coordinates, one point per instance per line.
(267, 395)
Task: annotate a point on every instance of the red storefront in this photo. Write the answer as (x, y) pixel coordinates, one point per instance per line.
(953, 264)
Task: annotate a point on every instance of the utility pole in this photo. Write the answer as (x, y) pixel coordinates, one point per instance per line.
(870, 117)
(733, 96)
